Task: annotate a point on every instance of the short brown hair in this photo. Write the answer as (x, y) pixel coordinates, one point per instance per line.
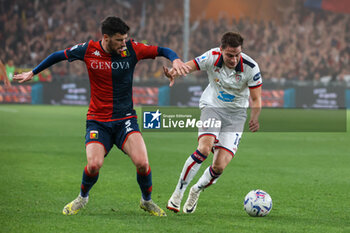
(231, 39)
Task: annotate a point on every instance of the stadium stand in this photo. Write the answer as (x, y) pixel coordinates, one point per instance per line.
(306, 45)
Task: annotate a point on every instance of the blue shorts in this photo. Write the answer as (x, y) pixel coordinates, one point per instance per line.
(110, 133)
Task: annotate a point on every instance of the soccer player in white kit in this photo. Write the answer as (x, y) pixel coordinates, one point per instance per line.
(233, 77)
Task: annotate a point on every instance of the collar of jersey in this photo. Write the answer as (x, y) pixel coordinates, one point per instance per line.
(100, 43)
(238, 68)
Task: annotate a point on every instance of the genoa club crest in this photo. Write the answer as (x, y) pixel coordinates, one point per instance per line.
(93, 134)
(125, 53)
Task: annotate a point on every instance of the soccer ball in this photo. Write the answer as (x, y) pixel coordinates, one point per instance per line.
(257, 203)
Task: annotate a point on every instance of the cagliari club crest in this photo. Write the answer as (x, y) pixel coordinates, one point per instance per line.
(238, 77)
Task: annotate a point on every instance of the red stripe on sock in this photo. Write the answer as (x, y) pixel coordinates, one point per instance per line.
(210, 183)
(188, 169)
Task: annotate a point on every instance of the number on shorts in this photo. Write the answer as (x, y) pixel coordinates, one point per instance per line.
(237, 140)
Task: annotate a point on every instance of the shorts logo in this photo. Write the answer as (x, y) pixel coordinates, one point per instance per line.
(127, 126)
(93, 134)
(151, 120)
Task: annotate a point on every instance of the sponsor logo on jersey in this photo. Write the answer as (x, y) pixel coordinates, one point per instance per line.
(93, 134)
(257, 76)
(200, 59)
(226, 97)
(106, 65)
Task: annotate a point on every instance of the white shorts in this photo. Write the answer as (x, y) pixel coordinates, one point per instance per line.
(227, 136)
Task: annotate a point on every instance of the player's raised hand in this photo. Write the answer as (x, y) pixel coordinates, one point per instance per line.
(23, 77)
(180, 67)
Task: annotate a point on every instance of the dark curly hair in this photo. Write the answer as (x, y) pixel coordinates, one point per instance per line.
(112, 25)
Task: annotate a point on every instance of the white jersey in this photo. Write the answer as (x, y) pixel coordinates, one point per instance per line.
(228, 88)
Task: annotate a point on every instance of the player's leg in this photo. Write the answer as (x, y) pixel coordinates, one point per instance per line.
(97, 140)
(224, 152)
(134, 146)
(190, 169)
(95, 153)
(210, 176)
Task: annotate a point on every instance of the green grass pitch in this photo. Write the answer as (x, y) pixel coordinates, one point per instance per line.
(42, 159)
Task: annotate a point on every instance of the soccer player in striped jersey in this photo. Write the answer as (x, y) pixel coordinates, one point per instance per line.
(111, 119)
(233, 77)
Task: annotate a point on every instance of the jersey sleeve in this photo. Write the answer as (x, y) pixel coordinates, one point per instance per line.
(144, 51)
(77, 52)
(256, 79)
(204, 61)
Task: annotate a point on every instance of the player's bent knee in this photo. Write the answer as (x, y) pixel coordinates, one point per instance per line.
(217, 168)
(205, 149)
(95, 166)
(142, 167)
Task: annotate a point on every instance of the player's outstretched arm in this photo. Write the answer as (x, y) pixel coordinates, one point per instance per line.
(24, 77)
(49, 61)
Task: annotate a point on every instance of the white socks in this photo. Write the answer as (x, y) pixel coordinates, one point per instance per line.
(190, 169)
(208, 178)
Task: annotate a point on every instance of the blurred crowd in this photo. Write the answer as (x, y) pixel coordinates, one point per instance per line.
(304, 45)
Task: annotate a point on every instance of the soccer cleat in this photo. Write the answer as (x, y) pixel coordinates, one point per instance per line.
(192, 200)
(74, 206)
(174, 203)
(151, 208)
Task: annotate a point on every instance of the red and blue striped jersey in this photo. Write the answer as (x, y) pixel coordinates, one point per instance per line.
(111, 77)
